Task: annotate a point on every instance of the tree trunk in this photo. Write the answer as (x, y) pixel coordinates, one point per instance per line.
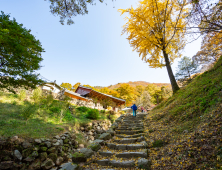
(173, 82)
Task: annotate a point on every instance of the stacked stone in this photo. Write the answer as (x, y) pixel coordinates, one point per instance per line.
(127, 149)
(93, 130)
(15, 153)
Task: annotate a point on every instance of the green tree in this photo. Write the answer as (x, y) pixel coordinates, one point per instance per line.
(67, 86)
(186, 68)
(20, 55)
(66, 9)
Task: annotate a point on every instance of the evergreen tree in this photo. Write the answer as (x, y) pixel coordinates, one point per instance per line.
(186, 68)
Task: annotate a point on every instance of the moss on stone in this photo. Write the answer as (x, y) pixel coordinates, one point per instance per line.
(66, 141)
(94, 146)
(27, 152)
(43, 156)
(53, 156)
(78, 155)
(43, 149)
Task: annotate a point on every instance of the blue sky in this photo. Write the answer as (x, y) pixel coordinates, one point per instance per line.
(91, 51)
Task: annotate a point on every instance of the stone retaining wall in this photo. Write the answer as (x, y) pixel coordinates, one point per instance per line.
(56, 153)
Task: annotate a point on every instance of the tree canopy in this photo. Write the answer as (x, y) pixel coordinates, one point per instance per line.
(66, 9)
(152, 29)
(67, 86)
(20, 55)
(206, 15)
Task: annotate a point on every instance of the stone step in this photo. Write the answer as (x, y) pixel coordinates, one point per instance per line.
(128, 132)
(141, 154)
(132, 124)
(130, 128)
(114, 146)
(129, 140)
(127, 149)
(129, 136)
(116, 163)
(129, 164)
(135, 121)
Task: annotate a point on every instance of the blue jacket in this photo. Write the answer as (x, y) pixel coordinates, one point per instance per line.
(134, 107)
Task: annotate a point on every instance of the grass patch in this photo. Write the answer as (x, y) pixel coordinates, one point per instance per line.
(42, 116)
(190, 123)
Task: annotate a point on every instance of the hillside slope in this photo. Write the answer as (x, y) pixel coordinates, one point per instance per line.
(185, 131)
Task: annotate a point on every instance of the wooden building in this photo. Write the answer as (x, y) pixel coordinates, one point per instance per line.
(95, 95)
(84, 96)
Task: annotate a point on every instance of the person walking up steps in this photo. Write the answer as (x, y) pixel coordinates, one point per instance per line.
(134, 107)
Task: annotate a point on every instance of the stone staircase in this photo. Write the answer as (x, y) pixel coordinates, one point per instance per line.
(127, 149)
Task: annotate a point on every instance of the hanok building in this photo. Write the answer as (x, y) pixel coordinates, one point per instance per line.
(84, 96)
(101, 100)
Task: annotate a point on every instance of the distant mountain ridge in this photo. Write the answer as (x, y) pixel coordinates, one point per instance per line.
(134, 84)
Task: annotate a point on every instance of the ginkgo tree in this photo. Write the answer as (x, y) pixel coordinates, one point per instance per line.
(156, 30)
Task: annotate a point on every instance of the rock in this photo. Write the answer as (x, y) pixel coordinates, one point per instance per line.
(52, 150)
(124, 164)
(52, 156)
(98, 127)
(144, 163)
(105, 136)
(81, 146)
(87, 152)
(54, 140)
(43, 139)
(68, 166)
(59, 161)
(57, 137)
(54, 168)
(56, 144)
(82, 128)
(90, 133)
(89, 124)
(29, 159)
(144, 143)
(35, 165)
(78, 157)
(185, 131)
(27, 152)
(38, 141)
(141, 139)
(101, 142)
(60, 141)
(26, 145)
(91, 138)
(43, 149)
(94, 146)
(63, 137)
(43, 156)
(90, 141)
(34, 154)
(48, 144)
(47, 164)
(66, 141)
(18, 155)
(6, 165)
(111, 131)
(14, 138)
